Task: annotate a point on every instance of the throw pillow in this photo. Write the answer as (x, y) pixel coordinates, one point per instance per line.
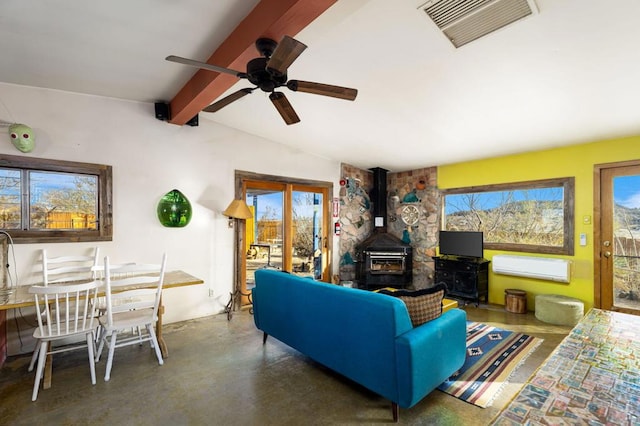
(423, 305)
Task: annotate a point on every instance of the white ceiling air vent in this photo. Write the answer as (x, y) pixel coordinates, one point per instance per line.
(463, 21)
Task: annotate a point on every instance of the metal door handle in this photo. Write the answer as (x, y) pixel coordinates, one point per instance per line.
(607, 254)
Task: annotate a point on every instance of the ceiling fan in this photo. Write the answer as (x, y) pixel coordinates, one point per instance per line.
(268, 73)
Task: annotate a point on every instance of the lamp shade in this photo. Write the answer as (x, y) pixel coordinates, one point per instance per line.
(238, 209)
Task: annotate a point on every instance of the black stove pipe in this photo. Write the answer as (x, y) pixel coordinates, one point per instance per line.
(378, 197)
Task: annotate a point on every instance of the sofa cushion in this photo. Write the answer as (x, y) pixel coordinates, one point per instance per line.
(423, 305)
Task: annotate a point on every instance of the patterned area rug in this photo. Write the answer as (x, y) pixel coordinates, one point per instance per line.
(493, 354)
(591, 378)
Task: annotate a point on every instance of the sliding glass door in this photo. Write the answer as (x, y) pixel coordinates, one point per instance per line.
(264, 233)
(307, 232)
(288, 231)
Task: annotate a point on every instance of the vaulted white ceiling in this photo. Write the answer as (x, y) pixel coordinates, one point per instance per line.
(565, 75)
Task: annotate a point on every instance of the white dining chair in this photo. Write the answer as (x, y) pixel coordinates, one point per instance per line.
(101, 306)
(67, 268)
(132, 295)
(64, 312)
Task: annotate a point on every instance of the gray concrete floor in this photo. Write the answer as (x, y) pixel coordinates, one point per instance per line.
(219, 373)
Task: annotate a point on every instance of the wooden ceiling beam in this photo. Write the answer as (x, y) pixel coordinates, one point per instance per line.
(270, 18)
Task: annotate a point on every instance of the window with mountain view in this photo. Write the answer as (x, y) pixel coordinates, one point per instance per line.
(54, 201)
(534, 216)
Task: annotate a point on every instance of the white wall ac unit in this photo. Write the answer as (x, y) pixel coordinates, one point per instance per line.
(542, 268)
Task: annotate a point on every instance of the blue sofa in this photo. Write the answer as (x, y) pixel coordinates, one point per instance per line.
(365, 336)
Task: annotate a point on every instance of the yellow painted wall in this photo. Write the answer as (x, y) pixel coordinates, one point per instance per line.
(577, 161)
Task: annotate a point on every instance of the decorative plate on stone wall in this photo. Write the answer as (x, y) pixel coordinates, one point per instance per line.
(410, 215)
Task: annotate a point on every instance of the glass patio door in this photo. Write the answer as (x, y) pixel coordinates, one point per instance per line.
(264, 233)
(307, 233)
(288, 230)
(620, 240)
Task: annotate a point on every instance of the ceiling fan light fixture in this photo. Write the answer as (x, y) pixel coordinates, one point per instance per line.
(268, 73)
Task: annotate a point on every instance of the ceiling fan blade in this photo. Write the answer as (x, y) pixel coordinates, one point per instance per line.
(216, 106)
(286, 52)
(205, 66)
(283, 106)
(323, 89)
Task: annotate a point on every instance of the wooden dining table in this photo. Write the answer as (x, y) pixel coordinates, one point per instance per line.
(20, 297)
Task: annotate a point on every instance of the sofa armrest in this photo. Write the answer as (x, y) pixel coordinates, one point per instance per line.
(427, 355)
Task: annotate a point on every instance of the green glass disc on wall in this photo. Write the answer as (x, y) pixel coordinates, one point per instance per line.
(174, 210)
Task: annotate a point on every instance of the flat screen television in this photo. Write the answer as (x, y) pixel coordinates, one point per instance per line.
(461, 243)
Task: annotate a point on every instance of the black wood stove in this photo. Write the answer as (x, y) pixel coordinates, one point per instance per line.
(382, 260)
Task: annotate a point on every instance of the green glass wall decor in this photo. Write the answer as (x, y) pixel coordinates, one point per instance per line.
(174, 210)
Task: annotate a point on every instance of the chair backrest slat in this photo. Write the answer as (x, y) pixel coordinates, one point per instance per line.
(65, 309)
(69, 268)
(133, 286)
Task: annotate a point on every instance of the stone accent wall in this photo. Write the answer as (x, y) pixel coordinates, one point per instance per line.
(356, 218)
(416, 188)
(410, 188)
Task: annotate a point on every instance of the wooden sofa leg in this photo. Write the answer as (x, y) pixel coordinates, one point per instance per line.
(264, 338)
(396, 412)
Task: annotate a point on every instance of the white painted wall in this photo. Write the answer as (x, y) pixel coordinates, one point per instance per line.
(149, 158)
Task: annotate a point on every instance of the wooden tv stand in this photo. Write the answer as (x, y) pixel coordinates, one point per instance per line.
(467, 278)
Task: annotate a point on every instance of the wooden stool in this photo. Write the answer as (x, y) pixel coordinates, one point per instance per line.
(515, 301)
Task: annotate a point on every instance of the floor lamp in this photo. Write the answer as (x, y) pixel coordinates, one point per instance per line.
(237, 211)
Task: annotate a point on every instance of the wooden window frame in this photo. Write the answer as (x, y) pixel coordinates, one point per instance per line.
(104, 231)
(568, 186)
